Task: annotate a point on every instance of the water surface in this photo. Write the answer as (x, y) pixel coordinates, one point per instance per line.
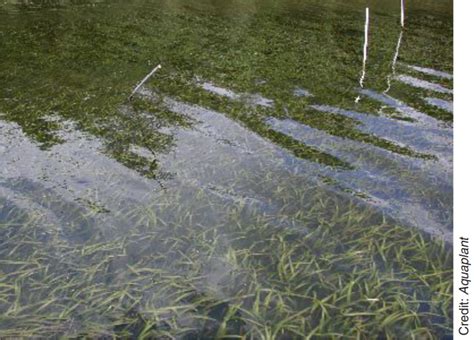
(250, 188)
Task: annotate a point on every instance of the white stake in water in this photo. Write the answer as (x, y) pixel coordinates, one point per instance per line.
(144, 81)
(366, 46)
(402, 13)
(394, 62)
(365, 49)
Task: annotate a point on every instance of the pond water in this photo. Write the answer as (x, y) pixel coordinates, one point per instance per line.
(265, 182)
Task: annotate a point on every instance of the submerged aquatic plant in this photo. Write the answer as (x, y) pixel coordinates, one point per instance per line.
(190, 216)
(348, 272)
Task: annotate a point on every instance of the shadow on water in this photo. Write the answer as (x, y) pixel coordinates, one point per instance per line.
(242, 191)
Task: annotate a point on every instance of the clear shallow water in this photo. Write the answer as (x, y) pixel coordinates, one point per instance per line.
(243, 190)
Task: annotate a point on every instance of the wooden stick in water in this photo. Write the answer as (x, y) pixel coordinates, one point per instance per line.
(144, 81)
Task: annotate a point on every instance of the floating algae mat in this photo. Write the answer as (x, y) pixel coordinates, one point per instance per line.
(251, 188)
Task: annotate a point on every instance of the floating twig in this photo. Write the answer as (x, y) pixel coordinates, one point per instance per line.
(144, 81)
